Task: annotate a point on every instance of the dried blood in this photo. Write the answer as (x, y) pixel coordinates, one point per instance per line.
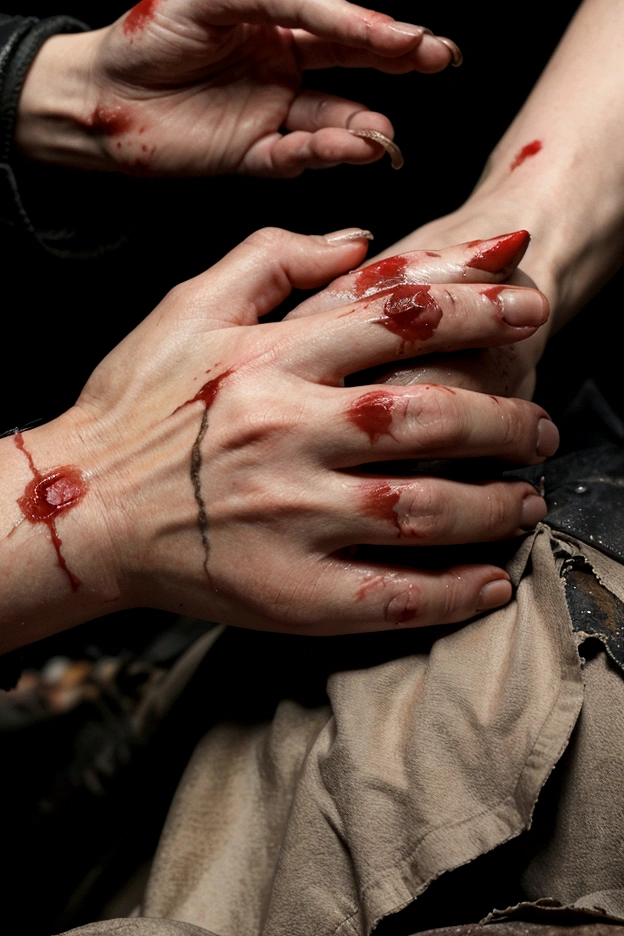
(47, 496)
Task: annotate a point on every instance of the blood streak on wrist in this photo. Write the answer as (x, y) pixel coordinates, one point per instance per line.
(47, 496)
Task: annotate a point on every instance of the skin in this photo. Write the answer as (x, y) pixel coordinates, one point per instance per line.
(199, 88)
(276, 552)
(569, 194)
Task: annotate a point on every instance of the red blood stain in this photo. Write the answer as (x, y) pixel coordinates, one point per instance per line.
(529, 150)
(109, 121)
(411, 312)
(431, 253)
(382, 275)
(139, 15)
(372, 413)
(501, 254)
(48, 495)
(496, 400)
(208, 393)
(439, 386)
(493, 294)
(379, 501)
(372, 584)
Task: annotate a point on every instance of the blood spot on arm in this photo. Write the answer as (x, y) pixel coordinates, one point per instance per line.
(531, 149)
(48, 495)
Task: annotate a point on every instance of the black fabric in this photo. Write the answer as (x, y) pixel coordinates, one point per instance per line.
(67, 212)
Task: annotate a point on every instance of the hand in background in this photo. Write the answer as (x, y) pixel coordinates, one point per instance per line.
(184, 87)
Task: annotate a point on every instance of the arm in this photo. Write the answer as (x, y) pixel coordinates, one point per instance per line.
(211, 468)
(566, 187)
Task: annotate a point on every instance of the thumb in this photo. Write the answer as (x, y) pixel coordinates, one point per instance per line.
(255, 277)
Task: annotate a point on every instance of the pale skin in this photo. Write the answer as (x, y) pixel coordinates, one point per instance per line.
(569, 195)
(278, 473)
(120, 543)
(183, 87)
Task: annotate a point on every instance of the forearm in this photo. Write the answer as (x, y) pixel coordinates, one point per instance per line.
(570, 192)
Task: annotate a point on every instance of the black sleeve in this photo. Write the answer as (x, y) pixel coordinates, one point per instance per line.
(67, 212)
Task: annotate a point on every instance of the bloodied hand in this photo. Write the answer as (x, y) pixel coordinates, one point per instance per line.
(213, 464)
(194, 87)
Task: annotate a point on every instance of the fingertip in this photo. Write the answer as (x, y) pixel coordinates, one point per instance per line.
(494, 594)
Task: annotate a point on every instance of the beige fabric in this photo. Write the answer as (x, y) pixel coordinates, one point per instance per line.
(329, 817)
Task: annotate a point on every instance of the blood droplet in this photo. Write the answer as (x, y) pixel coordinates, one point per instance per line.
(47, 496)
(529, 150)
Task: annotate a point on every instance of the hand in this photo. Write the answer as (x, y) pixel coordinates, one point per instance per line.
(219, 457)
(183, 87)
(507, 370)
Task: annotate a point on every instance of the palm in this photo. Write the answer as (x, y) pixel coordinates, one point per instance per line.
(190, 90)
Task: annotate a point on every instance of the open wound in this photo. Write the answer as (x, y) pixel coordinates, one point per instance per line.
(47, 496)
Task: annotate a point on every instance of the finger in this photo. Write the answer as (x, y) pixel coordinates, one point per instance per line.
(482, 261)
(313, 110)
(285, 157)
(428, 56)
(408, 320)
(352, 597)
(429, 512)
(428, 421)
(255, 277)
(331, 20)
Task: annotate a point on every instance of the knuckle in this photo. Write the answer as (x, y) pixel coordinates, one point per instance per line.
(427, 514)
(268, 239)
(404, 606)
(434, 418)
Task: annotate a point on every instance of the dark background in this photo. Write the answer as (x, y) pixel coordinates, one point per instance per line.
(446, 125)
(60, 317)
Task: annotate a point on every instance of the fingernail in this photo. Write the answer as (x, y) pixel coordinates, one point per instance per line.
(456, 56)
(408, 29)
(518, 307)
(389, 145)
(547, 438)
(348, 234)
(533, 510)
(494, 594)
(499, 254)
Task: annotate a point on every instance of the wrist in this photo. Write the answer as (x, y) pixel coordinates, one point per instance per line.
(54, 122)
(56, 555)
